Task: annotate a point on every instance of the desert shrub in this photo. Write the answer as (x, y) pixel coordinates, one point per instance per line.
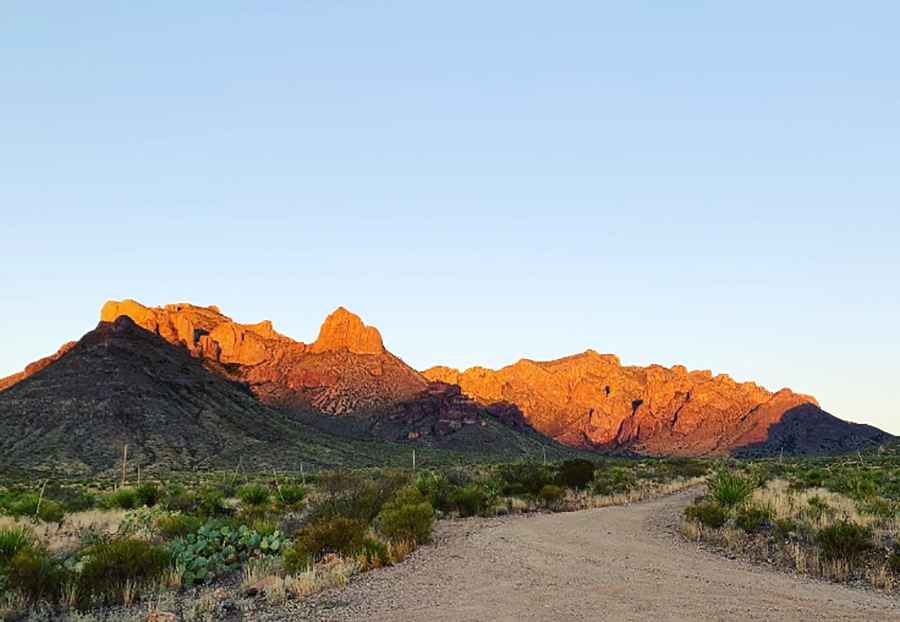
(173, 526)
(12, 541)
(730, 489)
(255, 496)
(551, 495)
(178, 500)
(123, 498)
(752, 518)
(407, 516)
(210, 503)
(33, 506)
(375, 552)
(35, 576)
(524, 478)
(707, 514)
(219, 546)
(355, 496)
(291, 495)
(613, 481)
(471, 500)
(437, 488)
(338, 535)
(107, 568)
(148, 494)
(844, 540)
(576, 473)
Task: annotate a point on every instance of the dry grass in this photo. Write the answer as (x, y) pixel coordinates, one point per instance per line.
(66, 537)
(585, 500)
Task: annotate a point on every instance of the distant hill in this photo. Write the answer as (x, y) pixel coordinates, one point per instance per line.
(592, 401)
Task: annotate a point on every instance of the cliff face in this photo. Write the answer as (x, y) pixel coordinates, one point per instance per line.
(346, 370)
(590, 400)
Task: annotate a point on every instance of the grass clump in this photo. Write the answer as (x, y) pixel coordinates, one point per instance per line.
(754, 518)
(407, 516)
(254, 496)
(123, 499)
(112, 569)
(708, 514)
(12, 541)
(730, 489)
(845, 540)
(551, 495)
(291, 496)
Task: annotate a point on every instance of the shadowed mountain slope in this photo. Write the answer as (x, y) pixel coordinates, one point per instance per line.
(122, 384)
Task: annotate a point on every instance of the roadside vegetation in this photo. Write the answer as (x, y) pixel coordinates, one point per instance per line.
(203, 548)
(836, 519)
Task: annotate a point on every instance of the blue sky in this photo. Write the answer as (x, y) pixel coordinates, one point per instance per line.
(709, 185)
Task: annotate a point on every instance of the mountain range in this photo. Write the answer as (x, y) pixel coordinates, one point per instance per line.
(185, 386)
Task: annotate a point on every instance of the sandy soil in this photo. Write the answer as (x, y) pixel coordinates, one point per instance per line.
(617, 563)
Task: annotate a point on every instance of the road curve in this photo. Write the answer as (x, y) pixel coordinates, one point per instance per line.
(618, 563)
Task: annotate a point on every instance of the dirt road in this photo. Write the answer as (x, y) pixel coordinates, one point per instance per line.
(618, 563)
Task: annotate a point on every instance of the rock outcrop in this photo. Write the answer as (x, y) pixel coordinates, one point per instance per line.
(591, 400)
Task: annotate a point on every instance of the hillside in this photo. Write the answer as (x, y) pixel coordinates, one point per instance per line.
(591, 400)
(122, 384)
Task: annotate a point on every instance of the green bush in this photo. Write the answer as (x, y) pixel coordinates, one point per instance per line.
(355, 496)
(407, 516)
(707, 514)
(173, 526)
(148, 494)
(524, 478)
(730, 489)
(437, 488)
(220, 547)
(551, 495)
(470, 500)
(291, 495)
(211, 503)
(338, 535)
(817, 508)
(13, 540)
(36, 576)
(33, 506)
(576, 473)
(107, 568)
(845, 540)
(754, 518)
(614, 481)
(253, 495)
(124, 499)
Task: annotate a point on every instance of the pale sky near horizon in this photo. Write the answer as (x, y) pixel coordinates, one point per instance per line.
(706, 184)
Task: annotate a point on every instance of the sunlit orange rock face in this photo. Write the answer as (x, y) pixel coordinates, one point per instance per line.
(591, 400)
(346, 369)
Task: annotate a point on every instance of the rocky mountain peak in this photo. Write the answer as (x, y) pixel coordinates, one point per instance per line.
(343, 330)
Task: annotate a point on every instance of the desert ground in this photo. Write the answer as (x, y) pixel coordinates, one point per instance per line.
(615, 563)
